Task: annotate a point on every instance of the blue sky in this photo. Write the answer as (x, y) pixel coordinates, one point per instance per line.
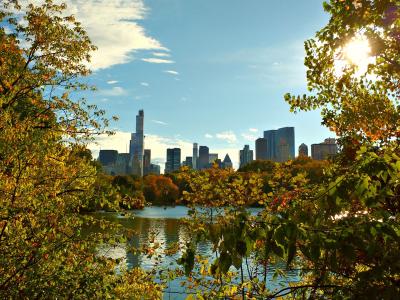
(212, 72)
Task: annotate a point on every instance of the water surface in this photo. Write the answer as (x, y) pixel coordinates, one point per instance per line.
(163, 226)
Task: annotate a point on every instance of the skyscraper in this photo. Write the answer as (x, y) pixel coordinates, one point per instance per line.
(188, 162)
(285, 144)
(212, 157)
(246, 156)
(146, 161)
(270, 136)
(173, 160)
(303, 150)
(283, 151)
(154, 169)
(261, 149)
(136, 148)
(280, 144)
(204, 153)
(227, 163)
(108, 157)
(122, 164)
(195, 156)
(324, 150)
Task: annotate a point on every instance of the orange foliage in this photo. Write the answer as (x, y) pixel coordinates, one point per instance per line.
(160, 189)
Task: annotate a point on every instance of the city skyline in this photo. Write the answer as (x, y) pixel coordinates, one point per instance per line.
(221, 89)
(276, 145)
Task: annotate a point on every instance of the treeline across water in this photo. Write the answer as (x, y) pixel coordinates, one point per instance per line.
(133, 192)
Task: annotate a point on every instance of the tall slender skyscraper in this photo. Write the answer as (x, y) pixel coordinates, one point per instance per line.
(195, 156)
(136, 149)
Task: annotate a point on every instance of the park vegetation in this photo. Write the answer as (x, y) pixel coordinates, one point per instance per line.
(46, 177)
(133, 192)
(335, 224)
(340, 232)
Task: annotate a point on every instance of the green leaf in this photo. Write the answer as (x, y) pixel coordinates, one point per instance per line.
(241, 247)
(291, 253)
(225, 261)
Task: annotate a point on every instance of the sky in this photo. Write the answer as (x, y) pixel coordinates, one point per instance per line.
(211, 72)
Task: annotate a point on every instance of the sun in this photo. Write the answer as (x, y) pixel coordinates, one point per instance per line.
(357, 52)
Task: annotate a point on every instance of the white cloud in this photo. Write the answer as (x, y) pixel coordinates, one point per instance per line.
(113, 92)
(161, 54)
(144, 84)
(112, 81)
(113, 28)
(155, 60)
(119, 141)
(228, 136)
(7, 30)
(208, 136)
(171, 72)
(159, 122)
(253, 129)
(249, 137)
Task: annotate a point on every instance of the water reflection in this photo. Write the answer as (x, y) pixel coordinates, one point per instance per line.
(153, 224)
(162, 226)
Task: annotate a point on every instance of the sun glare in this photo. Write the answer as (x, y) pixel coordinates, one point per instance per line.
(357, 52)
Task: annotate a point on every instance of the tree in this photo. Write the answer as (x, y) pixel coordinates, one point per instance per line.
(349, 95)
(355, 216)
(342, 233)
(258, 166)
(45, 175)
(159, 189)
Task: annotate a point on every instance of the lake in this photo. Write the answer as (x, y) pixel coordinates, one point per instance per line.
(163, 225)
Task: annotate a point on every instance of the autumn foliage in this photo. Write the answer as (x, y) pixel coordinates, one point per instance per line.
(45, 178)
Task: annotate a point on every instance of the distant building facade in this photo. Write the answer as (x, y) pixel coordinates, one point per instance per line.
(280, 144)
(303, 150)
(114, 163)
(108, 157)
(204, 159)
(122, 164)
(188, 162)
(212, 157)
(270, 136)
(173, 160)
(324, 150)
(245, 156)
(146, 161)
(155, 169)
(195, 156)
(261, 149)
(227, 162)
